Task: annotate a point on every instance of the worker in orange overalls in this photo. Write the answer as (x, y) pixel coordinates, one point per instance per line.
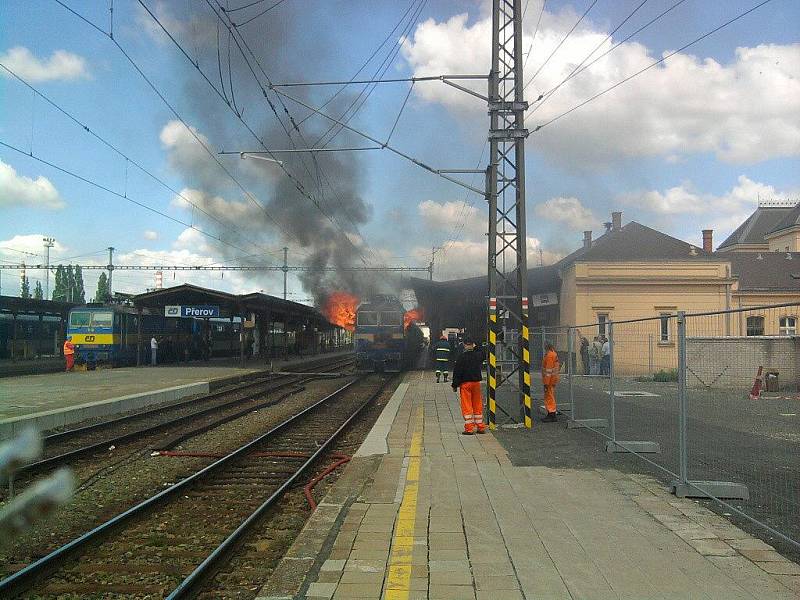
(69, 353)
(550, 378)
(467, 382)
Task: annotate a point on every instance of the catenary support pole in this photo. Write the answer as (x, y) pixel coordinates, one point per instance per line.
(505, 190)
(683, 411)
(285, 269)
(611, 381)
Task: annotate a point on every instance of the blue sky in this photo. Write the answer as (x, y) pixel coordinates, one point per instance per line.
(690, 144)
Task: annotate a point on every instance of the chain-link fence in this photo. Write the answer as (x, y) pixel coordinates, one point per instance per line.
(711, 400)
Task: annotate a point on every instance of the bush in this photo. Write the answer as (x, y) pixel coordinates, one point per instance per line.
(662, 376)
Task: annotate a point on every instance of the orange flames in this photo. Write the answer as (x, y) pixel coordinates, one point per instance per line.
(340, 309)
(412, 316)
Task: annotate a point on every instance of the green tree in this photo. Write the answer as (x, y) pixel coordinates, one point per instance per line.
(25, 287)
(69, 280)
(38, 293)
(102, 289)
(60, 288)
(80, 293)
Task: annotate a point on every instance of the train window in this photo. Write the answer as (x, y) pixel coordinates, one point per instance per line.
(391, 318)
(367, 318)
(80, 319)
(102, 319)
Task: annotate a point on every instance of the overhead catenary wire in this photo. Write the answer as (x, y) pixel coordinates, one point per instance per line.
(588, 56)
(360, 100)
(107, 189)
(533, 38)
(296, 182)
(650, 66)
(115, 149)
(564, 39)
(262, 13)
(249, 195)
(546, 95)
(242, 45)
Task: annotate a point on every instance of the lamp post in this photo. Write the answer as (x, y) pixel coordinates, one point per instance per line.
(48, 243)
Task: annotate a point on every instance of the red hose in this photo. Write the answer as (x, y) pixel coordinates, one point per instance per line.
(331, 468)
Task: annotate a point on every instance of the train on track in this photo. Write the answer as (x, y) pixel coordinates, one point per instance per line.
(384, 340)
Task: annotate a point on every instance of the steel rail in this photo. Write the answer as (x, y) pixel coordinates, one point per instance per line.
(64, 456)
(188, 587)
(24, 578)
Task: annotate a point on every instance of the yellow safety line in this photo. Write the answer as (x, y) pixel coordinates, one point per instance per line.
(398, 578)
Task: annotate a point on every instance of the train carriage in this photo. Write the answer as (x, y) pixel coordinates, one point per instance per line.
(104, 333)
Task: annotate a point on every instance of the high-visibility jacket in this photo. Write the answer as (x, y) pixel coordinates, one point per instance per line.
(550, 368)
(442, 352)
(69, 348)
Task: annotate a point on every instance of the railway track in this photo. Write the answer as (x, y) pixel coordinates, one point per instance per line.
(172, 543)
(204, 413)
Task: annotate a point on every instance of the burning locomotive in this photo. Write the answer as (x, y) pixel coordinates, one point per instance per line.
(385, 338)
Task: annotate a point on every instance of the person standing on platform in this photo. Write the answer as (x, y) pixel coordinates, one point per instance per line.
(442, 358)
(69, 353)
(550, 378)
(153, 350)
(467, 376)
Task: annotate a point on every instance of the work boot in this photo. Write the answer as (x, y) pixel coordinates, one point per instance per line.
(467, 433)
(481, 431)
(550, 418)
(437, 378)
(445, 376)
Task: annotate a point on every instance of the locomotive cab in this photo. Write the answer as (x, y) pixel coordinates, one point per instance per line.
(379, 335)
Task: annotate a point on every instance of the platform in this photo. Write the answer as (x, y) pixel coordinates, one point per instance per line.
(437, 515)
(54, 394)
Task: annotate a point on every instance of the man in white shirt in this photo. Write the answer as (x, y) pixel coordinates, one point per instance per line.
(606, 364)
(153, 350)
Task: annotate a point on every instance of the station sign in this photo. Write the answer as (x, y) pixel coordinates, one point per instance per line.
(205, 311)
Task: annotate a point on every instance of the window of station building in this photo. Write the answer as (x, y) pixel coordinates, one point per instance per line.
(664, 327)
(602, 323)
(80, 319)
(755, 326)
(367, 318)
(787, 325)
(392, 318)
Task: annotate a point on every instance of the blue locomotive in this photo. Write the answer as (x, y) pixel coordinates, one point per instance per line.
(380, 334)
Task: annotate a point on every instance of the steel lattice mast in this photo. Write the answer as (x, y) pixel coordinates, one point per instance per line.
(505, 190)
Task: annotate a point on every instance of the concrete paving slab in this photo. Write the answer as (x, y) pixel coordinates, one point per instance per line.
(449, 517)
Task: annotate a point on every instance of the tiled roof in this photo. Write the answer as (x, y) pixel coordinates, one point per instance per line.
(635, 242)
(765, 271)
(763, 221)
(792, 219)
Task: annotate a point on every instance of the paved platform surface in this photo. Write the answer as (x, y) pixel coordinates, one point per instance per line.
(28, 394)
(443, 516)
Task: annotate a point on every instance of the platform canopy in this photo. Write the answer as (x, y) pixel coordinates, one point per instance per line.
(263, 306)
(34, 306)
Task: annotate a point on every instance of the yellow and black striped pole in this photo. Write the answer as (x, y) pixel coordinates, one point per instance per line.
(491, 389)
(526, 366)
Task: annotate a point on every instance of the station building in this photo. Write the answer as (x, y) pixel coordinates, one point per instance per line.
(632, 271)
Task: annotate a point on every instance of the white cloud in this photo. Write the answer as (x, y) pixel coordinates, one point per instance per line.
(723, 212)
(447, 216)
(744, 111)
(20, 247)
(198, 29)
(568, 212)
(468, 258)
(19, 190)
(61, 66)
(149, 234)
